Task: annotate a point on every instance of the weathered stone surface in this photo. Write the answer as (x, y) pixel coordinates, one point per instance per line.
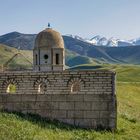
(83, 105)
(43, 97)
(28, 97)
(85, 123)
(91, 114)
(51, 95)
(58, 114)
(14, 98)
(75, 114)
(99, 106)
(66, 105)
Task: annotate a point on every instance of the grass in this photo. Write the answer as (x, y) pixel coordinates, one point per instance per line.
(128, 73)
(26, 127)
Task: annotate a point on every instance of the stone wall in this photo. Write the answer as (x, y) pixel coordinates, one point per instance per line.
(81, 98)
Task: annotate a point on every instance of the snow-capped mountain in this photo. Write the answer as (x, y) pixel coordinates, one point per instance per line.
(111, 42)
(119, 42)
(136, 41)
(98, 40)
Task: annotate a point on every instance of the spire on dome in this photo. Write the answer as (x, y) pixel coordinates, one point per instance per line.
(49, 25)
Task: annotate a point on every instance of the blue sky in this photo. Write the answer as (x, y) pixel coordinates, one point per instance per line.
(86, 18)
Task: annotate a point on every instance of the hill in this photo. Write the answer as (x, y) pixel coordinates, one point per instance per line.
(7, 52)
(119, 55)
(24, 60)
(18, 40)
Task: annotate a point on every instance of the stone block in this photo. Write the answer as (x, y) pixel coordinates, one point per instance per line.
(75, 114)
(41, 105)
(91, 97)
(104, 114)
(17, 106)
(67, 121)
(100, 106)
(112, 105)
(28, 105)
(32, 111)
(1, 106)
(112, 124)
(103, 123)
(53, 105)
(28, 97)
(85, 123)
(44, 97)
(58, 97)
(74, 97)
(113, 114)
(91, 114)
(8, 106)
(83, 105)
(4, 97)
(66, 105)
(58, 114)
(105, 97)
(0, 98)
(44, 113)
(13, 97)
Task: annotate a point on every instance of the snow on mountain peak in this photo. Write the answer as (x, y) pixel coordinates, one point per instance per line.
(111, 42)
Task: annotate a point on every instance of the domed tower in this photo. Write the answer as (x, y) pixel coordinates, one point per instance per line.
(49, 52)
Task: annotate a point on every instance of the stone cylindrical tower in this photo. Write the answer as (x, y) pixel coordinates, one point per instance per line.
(49, 52)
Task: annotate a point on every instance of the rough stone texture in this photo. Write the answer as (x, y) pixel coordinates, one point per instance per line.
(92, 106)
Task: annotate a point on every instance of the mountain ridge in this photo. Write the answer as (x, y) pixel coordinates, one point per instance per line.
(77, 47)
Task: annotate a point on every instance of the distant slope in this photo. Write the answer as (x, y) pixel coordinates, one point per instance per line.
(7, 52)
(125, 54)
(80, 60)
(76, 47)
(19, 61)
(18, 40)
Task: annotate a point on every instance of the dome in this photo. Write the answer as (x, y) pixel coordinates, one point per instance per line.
(49, 38)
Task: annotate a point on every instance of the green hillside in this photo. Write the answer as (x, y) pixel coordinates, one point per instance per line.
(7, 53)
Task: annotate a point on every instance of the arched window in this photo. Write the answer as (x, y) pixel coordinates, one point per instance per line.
(41, 85)
(11, 88)
(42, 88)
(75, 87)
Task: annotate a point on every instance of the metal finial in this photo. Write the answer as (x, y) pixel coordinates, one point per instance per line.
(49, 25)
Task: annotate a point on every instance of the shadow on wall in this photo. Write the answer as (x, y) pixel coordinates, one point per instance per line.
(40, 121)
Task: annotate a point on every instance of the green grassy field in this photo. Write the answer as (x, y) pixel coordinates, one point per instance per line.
(20, 127)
